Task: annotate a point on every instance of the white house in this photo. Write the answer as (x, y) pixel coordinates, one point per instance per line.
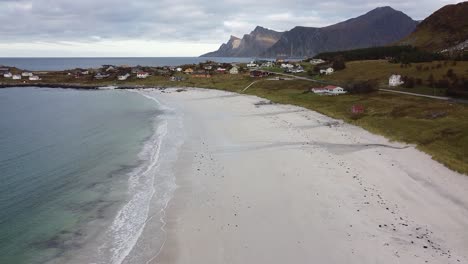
(179, 69)
(298, 69)
(327, 71)
(34, 78)
(234, 70)
(16, 77)
(267, 64)
(287, 66)
(8, 75)
(85, 72)
(26, 74)
(395, 80)
(316, 61)
(123, 77)
(336, 91)
(329, 90)
(142, 75)
(252, 64)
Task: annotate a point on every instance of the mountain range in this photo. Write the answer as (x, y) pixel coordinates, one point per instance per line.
(251, 45)
(445, 29)
(378, 27)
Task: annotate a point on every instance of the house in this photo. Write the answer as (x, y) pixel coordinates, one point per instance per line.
(123, 77)
(4, 70)
(335, 90)
(178, 69)
(34, 78)
(7, 75)
(221, 70)
(85, 72)
(267, 64)
(108, 67)
(208, 67)
(16, 77)
(395, 80)
(316, 61)
(142, 75)
(327, 71)
(298, 69)
(26, 74)
(286, 66)
(100, 76)
(252, 64)
(188, 71)
(234, 70)
(329, 90)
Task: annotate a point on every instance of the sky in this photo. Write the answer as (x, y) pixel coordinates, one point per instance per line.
(165, 28)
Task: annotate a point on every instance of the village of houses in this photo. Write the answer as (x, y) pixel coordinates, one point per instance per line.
(279, 69)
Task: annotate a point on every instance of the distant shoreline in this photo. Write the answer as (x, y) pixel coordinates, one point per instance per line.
(71, 86)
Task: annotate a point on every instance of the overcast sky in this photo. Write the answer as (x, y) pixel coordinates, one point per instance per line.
(45, 28)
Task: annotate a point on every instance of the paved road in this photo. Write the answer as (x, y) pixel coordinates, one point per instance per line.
(298, 77)
(415, 94)
(462, 101)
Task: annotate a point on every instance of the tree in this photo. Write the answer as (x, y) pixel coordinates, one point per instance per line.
(339, 63)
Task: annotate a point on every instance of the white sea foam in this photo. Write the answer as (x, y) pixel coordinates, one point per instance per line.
(130, 221)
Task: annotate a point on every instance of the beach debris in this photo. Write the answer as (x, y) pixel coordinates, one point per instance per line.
(264, 102)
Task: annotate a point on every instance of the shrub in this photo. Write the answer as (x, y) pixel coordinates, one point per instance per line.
(450, 73)
(361, 87)
(338, 63)
(430, 80)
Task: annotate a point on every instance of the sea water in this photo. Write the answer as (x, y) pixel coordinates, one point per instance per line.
(78, 171)
(60, 64)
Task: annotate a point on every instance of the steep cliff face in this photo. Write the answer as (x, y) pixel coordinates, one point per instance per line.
(378, 27)
(444, 29)
(251, 45)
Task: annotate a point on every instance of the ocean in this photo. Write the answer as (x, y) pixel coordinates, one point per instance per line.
(80, 174)
(59, 64)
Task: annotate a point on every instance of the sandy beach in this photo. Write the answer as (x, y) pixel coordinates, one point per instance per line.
(268, 183)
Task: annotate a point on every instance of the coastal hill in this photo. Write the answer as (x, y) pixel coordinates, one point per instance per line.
(378, 27)
(444, 29)
(251, 45)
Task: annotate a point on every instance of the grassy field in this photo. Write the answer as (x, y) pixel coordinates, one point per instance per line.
(439, 128)
(381, 70)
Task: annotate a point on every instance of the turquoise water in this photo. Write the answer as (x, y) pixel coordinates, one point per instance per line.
(65, 157)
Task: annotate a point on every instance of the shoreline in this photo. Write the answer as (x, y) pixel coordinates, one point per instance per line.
(70, 86)
(346, 195)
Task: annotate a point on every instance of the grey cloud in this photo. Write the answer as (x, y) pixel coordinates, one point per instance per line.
(170, 20)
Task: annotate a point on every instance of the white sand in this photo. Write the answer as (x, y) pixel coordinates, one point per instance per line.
(281, 184)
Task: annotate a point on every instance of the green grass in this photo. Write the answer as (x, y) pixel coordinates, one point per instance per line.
(381, 70)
